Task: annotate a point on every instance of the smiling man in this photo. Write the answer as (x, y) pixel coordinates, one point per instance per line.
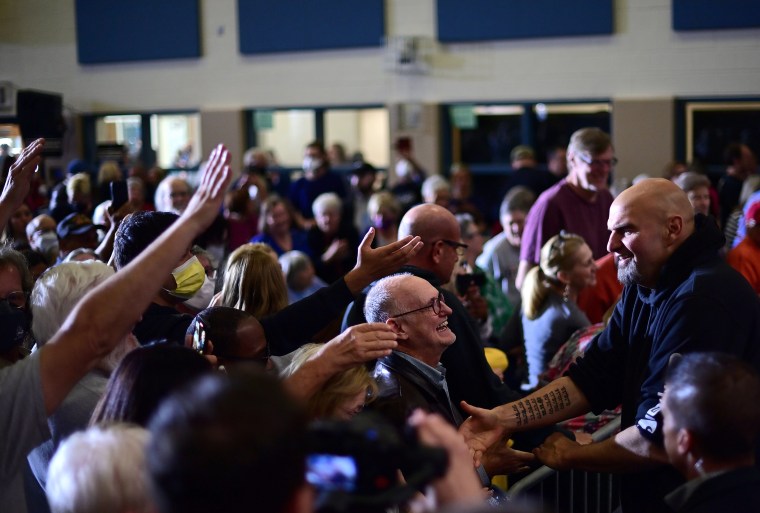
(412, 375)
(679, 296)
(578, 203)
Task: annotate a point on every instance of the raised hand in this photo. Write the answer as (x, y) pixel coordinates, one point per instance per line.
(373, 264)
(359, 344)
(480, 431)
(20, 175)
(205, 204)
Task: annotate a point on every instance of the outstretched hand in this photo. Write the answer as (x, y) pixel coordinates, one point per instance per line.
(373, 264)
(554, 452)
(205, 204)
(359, 344)
(500, 458)
(20, 175)
(480, 431)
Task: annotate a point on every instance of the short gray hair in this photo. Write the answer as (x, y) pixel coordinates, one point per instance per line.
(690, 180)
(292, 263)
(101, 469)
(325, 201)
(432, 185)
(381, 302)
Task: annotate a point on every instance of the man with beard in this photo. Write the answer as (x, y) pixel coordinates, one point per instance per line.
(679, 296)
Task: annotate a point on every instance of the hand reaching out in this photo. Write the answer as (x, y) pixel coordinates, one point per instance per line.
(481, 430)
(554, 451)
(373, 264)
(359, 344)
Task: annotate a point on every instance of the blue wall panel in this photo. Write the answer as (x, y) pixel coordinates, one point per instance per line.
(715, 14)
(267, 26)
(138, 30)
(482, 20)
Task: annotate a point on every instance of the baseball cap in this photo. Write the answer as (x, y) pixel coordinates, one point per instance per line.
(75, 224)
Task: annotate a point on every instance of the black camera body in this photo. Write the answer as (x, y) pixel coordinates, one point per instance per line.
(354, 464)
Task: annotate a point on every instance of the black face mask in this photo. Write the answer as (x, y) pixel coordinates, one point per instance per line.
(14, 325)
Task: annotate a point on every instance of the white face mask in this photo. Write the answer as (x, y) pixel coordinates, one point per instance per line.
(46, 242)
(311, 164)
(203, 297)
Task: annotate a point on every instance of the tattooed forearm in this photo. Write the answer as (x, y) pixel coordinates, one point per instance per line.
(538, 407)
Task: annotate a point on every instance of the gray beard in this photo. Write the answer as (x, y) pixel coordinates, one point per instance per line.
(628, 274)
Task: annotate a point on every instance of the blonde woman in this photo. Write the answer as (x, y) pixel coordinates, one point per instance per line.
(549, 294)
(344, 395)
(253, 281)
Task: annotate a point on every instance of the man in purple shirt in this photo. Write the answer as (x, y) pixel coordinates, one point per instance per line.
(579, 203)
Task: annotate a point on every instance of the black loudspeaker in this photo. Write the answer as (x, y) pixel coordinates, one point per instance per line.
(40, 114)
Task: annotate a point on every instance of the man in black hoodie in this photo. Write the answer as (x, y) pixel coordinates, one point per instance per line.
(679, 296)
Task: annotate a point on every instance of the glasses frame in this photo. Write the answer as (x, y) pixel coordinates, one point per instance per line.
(459, 247)
(14, 302)
(435, 304)
(596, 162)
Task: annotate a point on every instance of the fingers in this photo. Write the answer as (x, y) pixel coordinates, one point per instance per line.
(367, 240)
(30, 157)
(522, 456)
(407, 246)
(471, 410)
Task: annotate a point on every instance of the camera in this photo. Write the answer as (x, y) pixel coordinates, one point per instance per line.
(354, 464)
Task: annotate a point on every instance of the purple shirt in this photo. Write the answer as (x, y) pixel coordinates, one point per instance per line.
(560, 208)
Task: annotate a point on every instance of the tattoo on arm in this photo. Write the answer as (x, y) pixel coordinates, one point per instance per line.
(536, 408)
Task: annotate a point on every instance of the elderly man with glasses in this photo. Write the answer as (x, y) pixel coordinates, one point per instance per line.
(412, 376)
(579, 203)
(469, 373)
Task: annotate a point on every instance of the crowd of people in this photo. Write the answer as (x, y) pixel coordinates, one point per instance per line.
(167, 349)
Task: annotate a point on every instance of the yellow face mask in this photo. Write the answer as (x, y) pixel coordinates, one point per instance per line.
(189, 277)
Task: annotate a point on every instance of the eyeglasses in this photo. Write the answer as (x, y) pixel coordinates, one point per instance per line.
(597, 162)
(459, 247)
(16, 299)
(435, 304)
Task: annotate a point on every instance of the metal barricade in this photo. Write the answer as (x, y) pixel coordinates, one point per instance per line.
(571, 491)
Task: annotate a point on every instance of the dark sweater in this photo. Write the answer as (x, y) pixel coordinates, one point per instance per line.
(699, 304)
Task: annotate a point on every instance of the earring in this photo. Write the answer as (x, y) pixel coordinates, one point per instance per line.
(566, 293)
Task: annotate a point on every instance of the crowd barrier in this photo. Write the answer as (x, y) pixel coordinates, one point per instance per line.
(572, 491)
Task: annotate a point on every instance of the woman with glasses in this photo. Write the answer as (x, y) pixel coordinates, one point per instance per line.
(549, 310)
(15, 318)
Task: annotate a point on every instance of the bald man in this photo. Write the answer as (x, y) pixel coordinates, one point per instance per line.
(468, 374)
(679, 296)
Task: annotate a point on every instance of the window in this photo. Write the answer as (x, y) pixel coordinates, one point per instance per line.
(365, 131)
(287, 131)
(710, 126)
(168, 140)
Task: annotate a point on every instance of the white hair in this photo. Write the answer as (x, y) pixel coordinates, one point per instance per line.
(326, 201)
(101, 469)
(57, 292)
(162, 199)
(383, 299)
(432, 185)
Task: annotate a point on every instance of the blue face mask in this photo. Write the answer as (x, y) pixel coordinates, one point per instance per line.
(14, 325)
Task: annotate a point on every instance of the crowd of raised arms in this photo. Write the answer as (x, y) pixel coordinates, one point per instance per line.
(233, 340)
